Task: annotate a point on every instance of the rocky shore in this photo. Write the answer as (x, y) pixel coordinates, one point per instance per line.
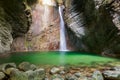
(28, 71)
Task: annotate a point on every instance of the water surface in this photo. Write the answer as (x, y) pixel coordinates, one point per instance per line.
(54, 58)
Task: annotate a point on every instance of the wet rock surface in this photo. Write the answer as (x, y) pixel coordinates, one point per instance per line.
(2, 75)
(40, 73)
(97, 75)
(112, 75)
(18, 75)
(6, 66)
(25, 66)
(54, 70)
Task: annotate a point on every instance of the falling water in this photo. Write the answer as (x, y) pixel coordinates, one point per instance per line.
(63, 46)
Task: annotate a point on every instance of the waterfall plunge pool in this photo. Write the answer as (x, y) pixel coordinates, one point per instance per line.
(54, 58)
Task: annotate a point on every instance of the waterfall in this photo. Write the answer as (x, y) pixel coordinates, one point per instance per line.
(63, 46)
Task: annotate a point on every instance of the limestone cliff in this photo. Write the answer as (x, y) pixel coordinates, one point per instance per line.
(33, 25)
(43, 34)
(13, 23)
(92, 26)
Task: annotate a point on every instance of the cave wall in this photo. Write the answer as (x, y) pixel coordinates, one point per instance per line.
(29, 25)
(91, 26)
(13, 22)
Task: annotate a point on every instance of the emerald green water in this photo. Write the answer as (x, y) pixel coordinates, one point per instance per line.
(54, 58)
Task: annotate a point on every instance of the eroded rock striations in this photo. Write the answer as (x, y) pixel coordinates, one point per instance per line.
(13, 23)
(92, 26)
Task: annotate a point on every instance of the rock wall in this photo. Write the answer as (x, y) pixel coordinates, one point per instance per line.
(5, 34)
(13, 23)
(91, 26)
(43, 34)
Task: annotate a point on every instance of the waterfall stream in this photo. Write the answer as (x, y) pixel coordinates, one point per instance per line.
(63, 46)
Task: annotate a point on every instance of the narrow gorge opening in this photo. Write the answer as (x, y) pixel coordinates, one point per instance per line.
(59, 39)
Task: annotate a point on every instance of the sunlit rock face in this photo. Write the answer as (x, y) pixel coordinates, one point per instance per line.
(75, 26)
(43, 34)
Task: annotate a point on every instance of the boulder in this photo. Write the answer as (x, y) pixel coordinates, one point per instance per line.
(71, 77)
(2, 75)
(77, 74)
(54, 70)
(57, 77)
(9, 70)
(112, 75)
(33, 67)
(5, 66)
(117, 68)
(18, 75)
(38, 74)
(25, 66)
(97, 75)
(46, 78)
(62, 72)
(40, 71)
